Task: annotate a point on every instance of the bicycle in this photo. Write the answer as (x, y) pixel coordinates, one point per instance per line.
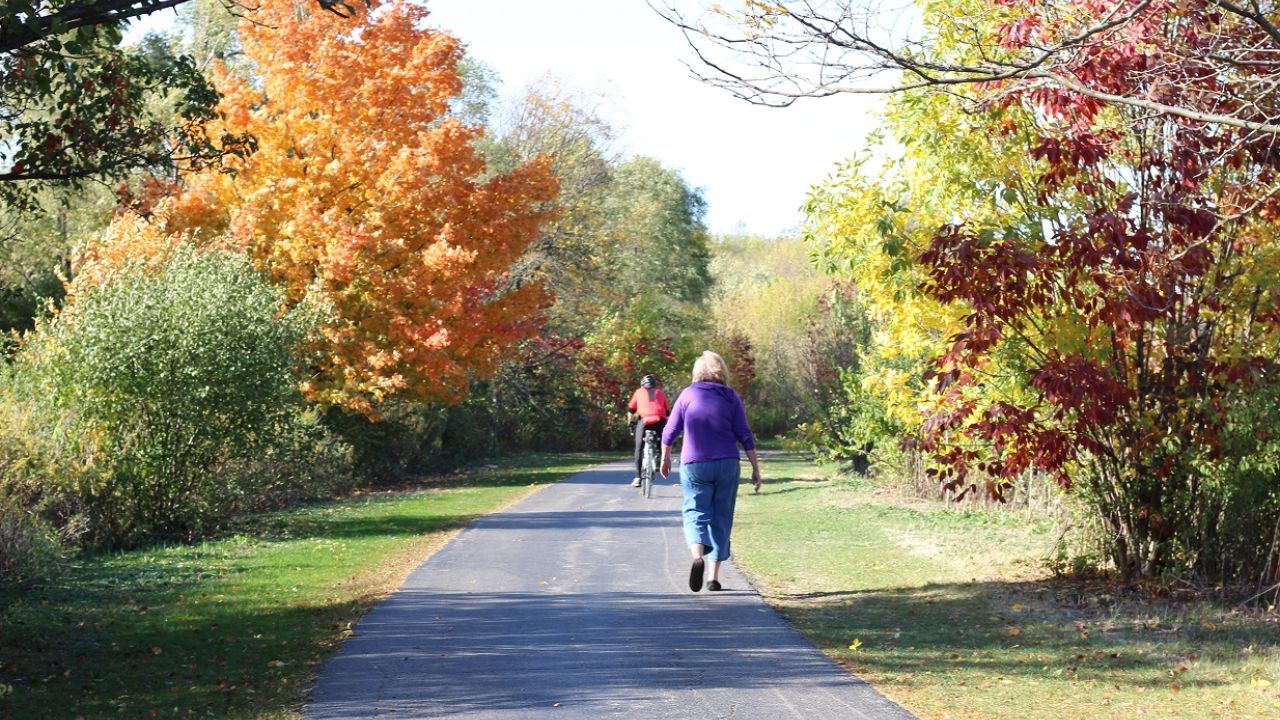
(649, 463)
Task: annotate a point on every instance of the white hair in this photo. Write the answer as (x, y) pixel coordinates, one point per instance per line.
(710, 367)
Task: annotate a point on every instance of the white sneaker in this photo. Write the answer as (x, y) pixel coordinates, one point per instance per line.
(635, 483)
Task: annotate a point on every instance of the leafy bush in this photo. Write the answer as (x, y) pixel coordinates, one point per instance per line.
(164, 393)
(30, 550)
(402, 441)
(303, 461)
(22, 304)
(1226, 515)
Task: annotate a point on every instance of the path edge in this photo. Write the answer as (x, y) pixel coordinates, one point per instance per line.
(294, 711)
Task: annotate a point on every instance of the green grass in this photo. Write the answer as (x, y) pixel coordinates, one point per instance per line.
(233, 627)
(953, 616)
(951, 611)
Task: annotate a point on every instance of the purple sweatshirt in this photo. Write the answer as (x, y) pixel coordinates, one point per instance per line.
(713, 421)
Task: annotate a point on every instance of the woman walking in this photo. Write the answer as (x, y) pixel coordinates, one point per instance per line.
(713, 421)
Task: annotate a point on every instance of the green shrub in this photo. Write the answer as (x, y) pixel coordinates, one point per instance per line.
(166, 397)
(30, 550)
(1213, 519)
(38, 458)
(1229, 507)
(403, 441)
(304, 461)
(21, 305)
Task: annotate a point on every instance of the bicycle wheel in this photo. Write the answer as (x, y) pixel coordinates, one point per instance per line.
(646, 475)
(650, 464)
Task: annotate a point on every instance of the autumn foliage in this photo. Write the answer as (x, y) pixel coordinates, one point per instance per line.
(367, 198)
(1146, 306)
(1092, 287)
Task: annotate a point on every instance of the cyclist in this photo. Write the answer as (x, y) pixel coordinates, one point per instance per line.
(651, 409)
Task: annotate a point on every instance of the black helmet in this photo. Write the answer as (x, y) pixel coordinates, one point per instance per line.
(649, 381)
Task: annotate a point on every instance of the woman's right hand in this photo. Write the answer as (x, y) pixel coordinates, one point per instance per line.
(755, 469)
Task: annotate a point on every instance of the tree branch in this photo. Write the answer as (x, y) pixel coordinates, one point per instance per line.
(109, 12)
(791, 50)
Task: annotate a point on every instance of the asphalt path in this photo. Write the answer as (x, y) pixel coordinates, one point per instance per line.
(574, 603)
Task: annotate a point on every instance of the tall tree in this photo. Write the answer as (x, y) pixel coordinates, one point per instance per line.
(368, 197)
(570, 257)
(624, 261)
(625, 227)
(655, 223)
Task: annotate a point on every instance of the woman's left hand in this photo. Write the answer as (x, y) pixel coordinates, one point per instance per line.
(666, 466)
(756, 480)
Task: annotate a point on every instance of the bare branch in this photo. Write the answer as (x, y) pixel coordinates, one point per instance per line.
(776, 53)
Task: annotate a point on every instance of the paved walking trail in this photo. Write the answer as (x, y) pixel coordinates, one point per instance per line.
(574, 603)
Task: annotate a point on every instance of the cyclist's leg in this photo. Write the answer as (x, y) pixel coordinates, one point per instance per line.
(639, 448)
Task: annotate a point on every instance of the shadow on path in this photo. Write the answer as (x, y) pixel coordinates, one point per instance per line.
(461, 652)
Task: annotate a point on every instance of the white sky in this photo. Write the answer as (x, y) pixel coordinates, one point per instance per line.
(755, 164)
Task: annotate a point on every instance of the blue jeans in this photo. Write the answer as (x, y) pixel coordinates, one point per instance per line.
(710, 493)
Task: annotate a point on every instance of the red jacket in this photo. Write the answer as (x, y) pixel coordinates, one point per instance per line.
(652, 410)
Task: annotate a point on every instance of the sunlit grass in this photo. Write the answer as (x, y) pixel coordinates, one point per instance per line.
(235, 627)
(950, 610)
(953, 616)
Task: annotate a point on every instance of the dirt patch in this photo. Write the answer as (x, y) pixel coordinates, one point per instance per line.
(916, 545)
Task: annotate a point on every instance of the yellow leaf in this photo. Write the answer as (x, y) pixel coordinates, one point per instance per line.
(855, 645)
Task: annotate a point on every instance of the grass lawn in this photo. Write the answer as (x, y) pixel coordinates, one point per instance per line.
(235, 627)
(951, 614)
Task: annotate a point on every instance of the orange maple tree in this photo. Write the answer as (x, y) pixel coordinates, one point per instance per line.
(366, 196)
